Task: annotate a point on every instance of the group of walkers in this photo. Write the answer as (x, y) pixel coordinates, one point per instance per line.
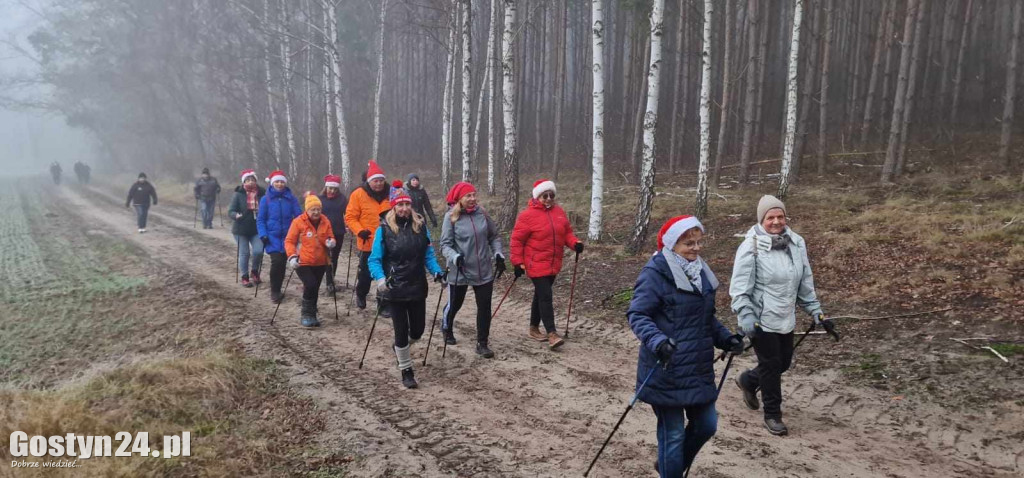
(672, 311)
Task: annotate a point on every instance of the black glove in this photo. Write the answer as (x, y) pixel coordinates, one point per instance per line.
(459, 262)
(266, 241)
(439, 277)
(735, 344)
(499, 266)
(518, 271)
(579, 248)
(364, 234)
(665, 351)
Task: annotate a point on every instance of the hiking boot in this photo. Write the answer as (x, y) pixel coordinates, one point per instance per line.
(536, 334)
(308, 322)
(245, 282)
(554, 340)
(408, 379)
(449, 336)
(309, 314)
(775, 426)
(385, 311)
(749, 396)
(276, 297)
(361, 301)
(484, 351)
(330, 288)
(256, 278)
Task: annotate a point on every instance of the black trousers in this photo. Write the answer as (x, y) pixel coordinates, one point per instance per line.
(278, 264)
(774, 356)
(543, 307)
(457, 294)
(311, 277)
(333, 270)
(363, 275)
(409, 319)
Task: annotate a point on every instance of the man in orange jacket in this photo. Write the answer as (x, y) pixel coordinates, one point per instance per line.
(311, 234)
(362, 216)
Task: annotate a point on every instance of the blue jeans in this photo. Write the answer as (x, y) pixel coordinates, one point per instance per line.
(678, 441)
(206, 209)
(141, 214)
(246, 245)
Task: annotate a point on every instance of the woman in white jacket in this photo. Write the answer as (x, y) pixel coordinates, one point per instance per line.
(771, 275)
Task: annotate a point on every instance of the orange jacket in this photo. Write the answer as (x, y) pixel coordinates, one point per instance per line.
(313, 250)
(363, 212)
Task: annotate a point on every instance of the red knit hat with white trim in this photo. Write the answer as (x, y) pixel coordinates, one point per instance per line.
(373, 171)
(332, 181)
(401, 198)
(277, 176)
(247, 173)
(674, 228)
(542, 185)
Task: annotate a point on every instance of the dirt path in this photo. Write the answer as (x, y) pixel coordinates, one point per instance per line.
(531, 412)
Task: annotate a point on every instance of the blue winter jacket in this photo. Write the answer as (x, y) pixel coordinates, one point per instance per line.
(277, 209)
(660, 310)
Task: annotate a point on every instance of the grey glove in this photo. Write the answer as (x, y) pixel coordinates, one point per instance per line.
(748, 323)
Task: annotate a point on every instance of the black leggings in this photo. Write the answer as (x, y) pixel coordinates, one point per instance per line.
(311, 277)
(457, 294)
(363, 275)
(333, 270)
(543, 307)
(774, 356)
(278, 264)
(408, 318)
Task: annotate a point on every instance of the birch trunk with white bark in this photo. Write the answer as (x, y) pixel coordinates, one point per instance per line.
(508, 101)
(380, 81)
(705, 114)
(791, 88)
(269, 86)
(597, 154)
(467, 89)
(650, 125)
(446, 108)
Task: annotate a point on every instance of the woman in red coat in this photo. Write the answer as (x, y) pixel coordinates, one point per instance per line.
(538, 240)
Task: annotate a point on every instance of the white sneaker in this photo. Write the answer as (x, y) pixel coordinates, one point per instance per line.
(142, 230)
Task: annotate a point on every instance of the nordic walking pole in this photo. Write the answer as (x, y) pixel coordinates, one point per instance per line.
(289, 281)
(433, 323)
(195, 215)
(371, 335)
(804, 336)
(348, 273)
(444, 350)
(238, 250)
(258, 271)
(572, 290)
(623, 417)
(725, 372)
(330, 271)
(502, 301)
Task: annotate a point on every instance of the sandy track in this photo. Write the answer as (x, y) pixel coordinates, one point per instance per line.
(531, 412)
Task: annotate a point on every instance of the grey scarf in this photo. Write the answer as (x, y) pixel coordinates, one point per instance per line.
(682, 268)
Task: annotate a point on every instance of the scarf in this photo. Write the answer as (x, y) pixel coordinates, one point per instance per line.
(690, 269)
(251, 190)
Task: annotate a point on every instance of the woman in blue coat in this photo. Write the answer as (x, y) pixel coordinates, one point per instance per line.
(277, 209)
(673, 315)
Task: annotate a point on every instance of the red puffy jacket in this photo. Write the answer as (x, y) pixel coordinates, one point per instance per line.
(539, 238)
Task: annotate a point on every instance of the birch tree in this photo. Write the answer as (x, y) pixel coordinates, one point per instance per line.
(467, 89)
(705, 113)
(597, 133)
(889, 167)
(643, 219)
(334, 50)
(446, 107)
(492, 138)
(791, 88)
(1011, 88)
(483, 95)
(508, 102)
(286, 89)
(380, 80)
(269, 86)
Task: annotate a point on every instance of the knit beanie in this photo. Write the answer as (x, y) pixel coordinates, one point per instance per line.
(313, 201)
(457, 191)
(767, 203)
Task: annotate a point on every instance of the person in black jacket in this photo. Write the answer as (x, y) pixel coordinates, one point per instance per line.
(420, 199)
(139, 196)
(399, 261)
(243, 210)
(334, 204)
(206, 191)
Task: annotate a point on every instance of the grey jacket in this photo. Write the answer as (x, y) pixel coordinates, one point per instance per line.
(770, 283)
(475, 238)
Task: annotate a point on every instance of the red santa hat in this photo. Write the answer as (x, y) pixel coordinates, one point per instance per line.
(374, 172)
(332, 181)
(674, 228)
(277, 176)
(247, 173)
(401, 198)
(542, 185)
(457, 191)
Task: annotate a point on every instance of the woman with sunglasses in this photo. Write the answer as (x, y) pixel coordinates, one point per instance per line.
(538, 242)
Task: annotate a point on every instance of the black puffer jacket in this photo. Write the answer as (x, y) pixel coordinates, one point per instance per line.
(420, 200)
(246, 225)
(140, 194)
(404, 260)
(334, 209)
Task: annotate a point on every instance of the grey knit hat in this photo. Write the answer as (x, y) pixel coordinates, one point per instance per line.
(767, 203)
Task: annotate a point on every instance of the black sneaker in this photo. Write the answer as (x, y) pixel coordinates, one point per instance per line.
(483, 351)
(449, 337)
(749, 396)
(276, 297)
(361, 301)
(775, 426)
(408, 379)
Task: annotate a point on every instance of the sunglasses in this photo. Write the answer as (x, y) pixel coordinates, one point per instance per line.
(547, 196)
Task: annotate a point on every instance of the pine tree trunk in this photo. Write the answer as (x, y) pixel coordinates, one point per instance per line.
(705, 113)
(826, 62)
(597, 154)
(638, 119)
(467, 89)
(1011, 88)
(650, 125)
(791, 89)
(749, 107)
(380, 82)
(810, 72)
(884, 32)
(723, 123)
(947, 53)
(954, 114)
(511, 203)
(911, 87)
(900, 100)
(673, 129)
